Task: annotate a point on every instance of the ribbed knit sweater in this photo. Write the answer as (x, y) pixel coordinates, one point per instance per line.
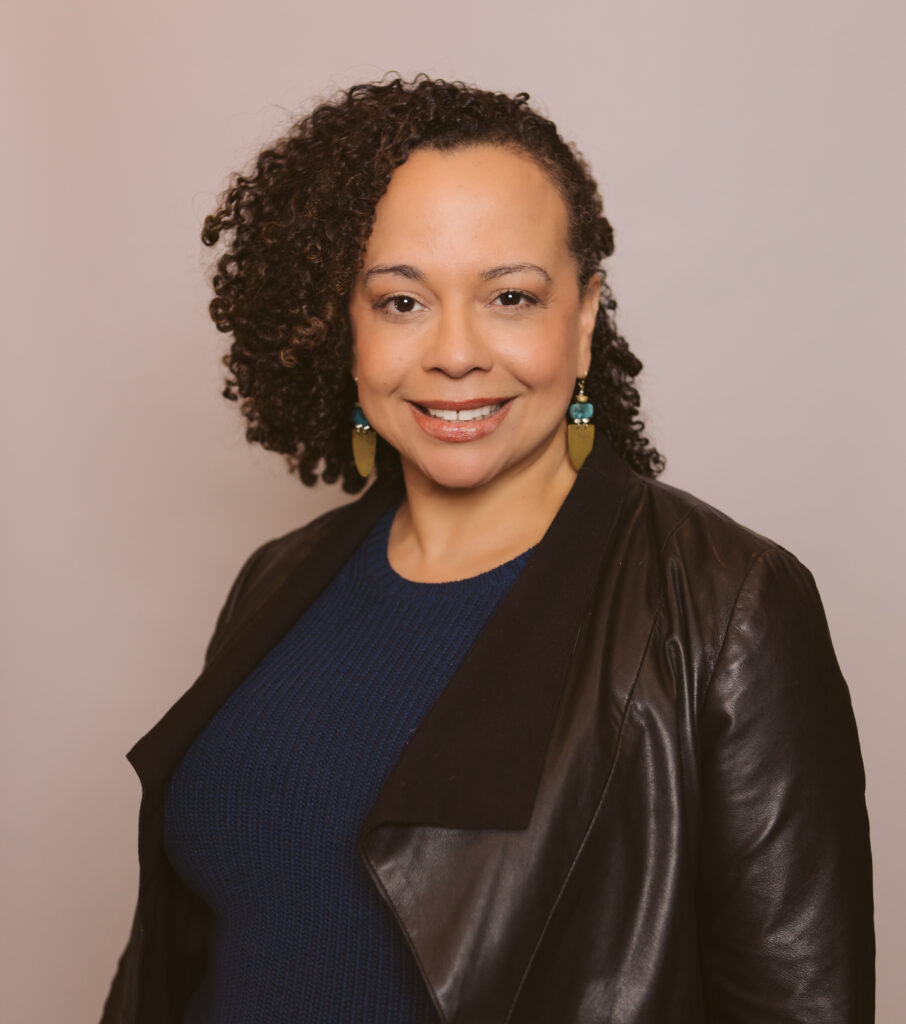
(263, 812)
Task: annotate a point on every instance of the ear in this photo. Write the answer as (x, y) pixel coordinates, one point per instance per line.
(588, 315)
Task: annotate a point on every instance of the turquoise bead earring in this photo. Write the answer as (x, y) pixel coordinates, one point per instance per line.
(364, 439)
(580, 434)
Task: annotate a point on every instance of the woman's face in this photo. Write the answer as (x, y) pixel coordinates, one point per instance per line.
(468, 323)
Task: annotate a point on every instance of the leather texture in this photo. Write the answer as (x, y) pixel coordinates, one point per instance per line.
(639, 800)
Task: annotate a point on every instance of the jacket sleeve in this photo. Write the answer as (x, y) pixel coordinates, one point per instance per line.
(785, 891)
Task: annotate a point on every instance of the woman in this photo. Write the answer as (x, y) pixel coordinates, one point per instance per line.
(521, 735)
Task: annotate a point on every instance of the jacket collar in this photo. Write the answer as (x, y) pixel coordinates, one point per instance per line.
(476, 759)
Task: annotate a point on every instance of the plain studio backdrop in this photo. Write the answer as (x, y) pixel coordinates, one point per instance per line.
(751, 157)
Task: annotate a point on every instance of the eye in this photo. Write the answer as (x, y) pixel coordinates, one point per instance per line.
(399, 304)
(514, 297)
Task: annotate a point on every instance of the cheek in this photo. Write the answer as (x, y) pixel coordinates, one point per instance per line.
(548, 358)
(379, 366)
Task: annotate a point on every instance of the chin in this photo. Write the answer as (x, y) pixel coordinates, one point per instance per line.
(456, 470)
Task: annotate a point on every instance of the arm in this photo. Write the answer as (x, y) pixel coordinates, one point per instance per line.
(785, 891)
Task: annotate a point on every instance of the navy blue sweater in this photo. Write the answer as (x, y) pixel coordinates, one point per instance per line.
(262, 814)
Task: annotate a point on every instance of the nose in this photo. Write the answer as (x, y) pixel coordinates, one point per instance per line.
(457, 345)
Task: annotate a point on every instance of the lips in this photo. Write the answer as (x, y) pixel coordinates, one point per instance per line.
(460, 421)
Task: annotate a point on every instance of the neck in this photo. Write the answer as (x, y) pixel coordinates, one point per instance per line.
(442, 533)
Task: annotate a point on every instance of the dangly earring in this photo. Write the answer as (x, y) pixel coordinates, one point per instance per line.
(580, 434)
(364, 439)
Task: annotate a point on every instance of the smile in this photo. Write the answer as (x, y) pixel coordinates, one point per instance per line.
(459, 422)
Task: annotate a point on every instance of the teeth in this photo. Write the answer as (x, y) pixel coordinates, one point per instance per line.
(465, 414)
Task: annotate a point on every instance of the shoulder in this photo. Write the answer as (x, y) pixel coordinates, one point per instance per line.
(275, 555)
(339, 528)
(683, 519)
(326, 541)
(713, 580)
(690, 534)
(292, 547)
(654, 528)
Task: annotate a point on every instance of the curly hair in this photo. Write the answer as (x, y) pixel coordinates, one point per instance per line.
(295, 230)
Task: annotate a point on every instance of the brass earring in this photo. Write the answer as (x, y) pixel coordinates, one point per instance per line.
(580, 434)
(364, 439)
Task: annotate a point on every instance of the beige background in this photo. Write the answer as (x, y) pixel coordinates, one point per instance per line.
(752, 160)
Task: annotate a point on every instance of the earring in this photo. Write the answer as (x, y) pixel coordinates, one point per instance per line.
(580, 434)
(364, 439)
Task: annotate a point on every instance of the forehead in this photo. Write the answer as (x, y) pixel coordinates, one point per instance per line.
(488, 199)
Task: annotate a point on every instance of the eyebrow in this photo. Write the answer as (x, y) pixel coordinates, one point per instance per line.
(513, 268)
(413, 274)
(399, 269)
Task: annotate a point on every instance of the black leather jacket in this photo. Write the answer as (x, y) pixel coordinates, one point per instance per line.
(640, 798)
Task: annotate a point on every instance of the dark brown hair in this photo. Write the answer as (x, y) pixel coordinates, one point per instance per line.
(295, 230)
